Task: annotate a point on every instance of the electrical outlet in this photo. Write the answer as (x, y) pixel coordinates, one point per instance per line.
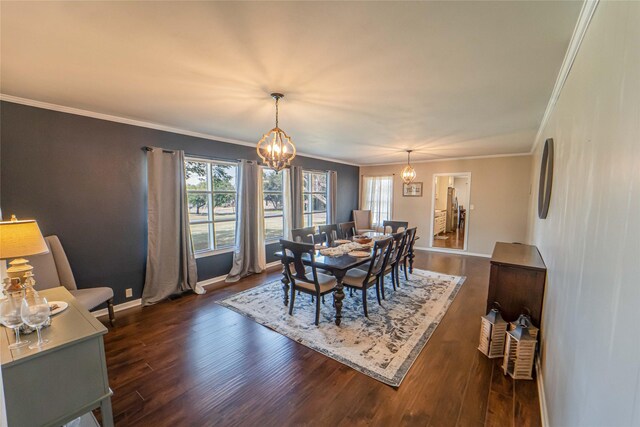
(472, 207)
(128, 293)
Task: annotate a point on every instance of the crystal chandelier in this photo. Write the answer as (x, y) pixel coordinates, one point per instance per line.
(408, 172)
(276, 148)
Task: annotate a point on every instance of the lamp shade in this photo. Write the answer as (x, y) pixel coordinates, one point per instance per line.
(21, 239)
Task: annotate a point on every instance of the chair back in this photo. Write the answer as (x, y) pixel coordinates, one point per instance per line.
(52, 269)
(330, 231)
(381, 252)
(409, 241)
(394, 226)
(303, 235)
(362, 219)
(292, 253)
(347, 229)
(399, 243)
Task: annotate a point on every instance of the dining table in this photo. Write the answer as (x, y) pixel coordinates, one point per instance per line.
(337, 266)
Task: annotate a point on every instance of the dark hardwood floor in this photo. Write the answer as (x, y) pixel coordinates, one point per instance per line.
(455, 239)
(192, 362)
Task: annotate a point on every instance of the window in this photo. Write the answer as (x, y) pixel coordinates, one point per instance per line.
(377, 196)
(273, 204)
(314, 194)
(211, 195)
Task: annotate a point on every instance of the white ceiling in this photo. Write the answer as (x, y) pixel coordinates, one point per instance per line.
(363, 81)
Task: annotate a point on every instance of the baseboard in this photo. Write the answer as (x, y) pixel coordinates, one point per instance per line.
(207, 283)
(544, 415)
(452, 251)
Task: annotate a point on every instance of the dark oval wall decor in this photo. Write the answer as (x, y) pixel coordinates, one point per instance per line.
(546, 178)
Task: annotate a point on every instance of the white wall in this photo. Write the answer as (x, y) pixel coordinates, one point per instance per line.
(500, 189)
(590, 240)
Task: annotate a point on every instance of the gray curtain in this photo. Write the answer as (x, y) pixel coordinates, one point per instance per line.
(297, 204)
(332, 190)
(249, 255)
(171, 264)
(287, 208)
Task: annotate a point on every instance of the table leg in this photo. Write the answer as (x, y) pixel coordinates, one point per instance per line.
(106, 412)
(338, 295)
(411, 257)
(285, 286)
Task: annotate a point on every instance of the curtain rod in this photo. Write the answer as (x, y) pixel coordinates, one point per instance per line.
(163, 150)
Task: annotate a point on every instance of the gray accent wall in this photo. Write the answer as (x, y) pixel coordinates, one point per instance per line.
(84, 179)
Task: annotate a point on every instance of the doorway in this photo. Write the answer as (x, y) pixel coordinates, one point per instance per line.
(450, 214)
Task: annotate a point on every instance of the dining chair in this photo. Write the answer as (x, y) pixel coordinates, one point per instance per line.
(53, 269)
(399, 243)
(363, 222)
(305, 279)
(394, 226)
(408, 247)
(303, 235)
(330, 231)
(360, 279)
(347, 230)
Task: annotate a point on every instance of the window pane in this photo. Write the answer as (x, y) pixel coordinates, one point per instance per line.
(198, 207)
(272, 203)
(319, 218)
(307, 220)
(271, 180)
(273, 227)
(224, 206)
(307, 203)
(196, 174)
(224, 177)
(225, 234)
(200, 236)
(320, 182)
(319, 202)
(307, 182)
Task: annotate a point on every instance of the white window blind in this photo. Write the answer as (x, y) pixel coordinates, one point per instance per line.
(377, 196)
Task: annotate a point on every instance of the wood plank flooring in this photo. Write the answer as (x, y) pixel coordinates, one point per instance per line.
(455, 240)
(192, 362)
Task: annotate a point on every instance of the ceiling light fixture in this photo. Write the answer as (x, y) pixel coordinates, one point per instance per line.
(276, 148)
(408, 172)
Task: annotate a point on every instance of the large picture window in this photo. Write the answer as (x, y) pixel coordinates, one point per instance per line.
(273, 204)
(211, 194)
(377, 196)
(315, 198)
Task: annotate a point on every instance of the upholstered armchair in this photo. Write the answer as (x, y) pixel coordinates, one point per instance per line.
(363, 221)
(52, 270)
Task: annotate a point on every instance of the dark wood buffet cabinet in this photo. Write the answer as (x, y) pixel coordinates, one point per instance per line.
(517, 281)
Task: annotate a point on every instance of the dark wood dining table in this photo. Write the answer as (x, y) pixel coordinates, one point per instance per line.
(338, 266)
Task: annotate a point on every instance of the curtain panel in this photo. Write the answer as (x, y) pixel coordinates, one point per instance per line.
(377, 196)
(296, 197)
(171, 263)
(332, 199)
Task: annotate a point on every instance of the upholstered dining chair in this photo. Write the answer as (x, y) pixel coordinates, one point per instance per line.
(399, 242)
(347, 229)
(394, 226)
(330, 231)
(304, 235)
(52, 270)
(410, 240)
(305, 279)
(363, 221)
(360, 279)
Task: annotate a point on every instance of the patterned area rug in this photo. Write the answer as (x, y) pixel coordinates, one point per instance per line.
(383, 346)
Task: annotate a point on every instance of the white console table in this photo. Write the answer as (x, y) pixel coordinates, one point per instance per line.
(64, 379)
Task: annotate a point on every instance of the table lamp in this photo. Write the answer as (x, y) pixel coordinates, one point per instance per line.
(20, 239)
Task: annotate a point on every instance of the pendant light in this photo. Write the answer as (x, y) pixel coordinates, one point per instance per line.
(408, 172)
(276, 148)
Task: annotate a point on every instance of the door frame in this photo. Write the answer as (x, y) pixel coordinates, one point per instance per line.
(433, 212)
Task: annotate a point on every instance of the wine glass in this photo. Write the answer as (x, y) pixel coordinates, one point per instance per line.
(10, 317)
(34, 312)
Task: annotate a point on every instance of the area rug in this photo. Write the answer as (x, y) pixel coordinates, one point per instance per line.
(383, 346)
(440, 237)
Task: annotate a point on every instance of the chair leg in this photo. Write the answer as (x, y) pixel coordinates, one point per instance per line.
(317, 311)
(397, 269)
(406, 276)
(350, 292)
(393, 277)
(323, 299)
(311, 298)
(378, 292)
(292, 300)
(112, 316)
(381, 281)
(364, 301)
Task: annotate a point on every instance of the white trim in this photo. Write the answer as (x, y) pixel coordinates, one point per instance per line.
(448, 159)
(203, 283)
(433, 210)
(452, 251)
(149, 125)
(544, 414)
(584, 19)
(214, 252)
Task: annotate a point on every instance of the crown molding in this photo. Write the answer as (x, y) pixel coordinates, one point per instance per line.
(449, 159)
(584, 19)
(149, 125)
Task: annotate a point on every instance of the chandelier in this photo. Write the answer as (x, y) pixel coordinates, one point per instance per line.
(408, 172)
(276, 148)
